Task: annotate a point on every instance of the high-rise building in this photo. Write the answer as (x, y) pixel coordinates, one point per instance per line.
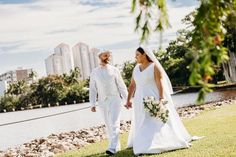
(60, 62)
(54, 65)
(63, 60)
(94, 60)
(13, 76)
(3, 87)
(17, 75)
(9, 77)
(82, 59)
(67, 57)
(85, 59)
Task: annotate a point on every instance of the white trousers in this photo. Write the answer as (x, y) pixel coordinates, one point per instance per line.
(110, 109)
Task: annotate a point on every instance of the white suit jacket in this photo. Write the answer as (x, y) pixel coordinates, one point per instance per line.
(105, 82)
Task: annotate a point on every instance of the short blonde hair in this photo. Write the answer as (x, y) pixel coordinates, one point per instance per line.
(103, 51)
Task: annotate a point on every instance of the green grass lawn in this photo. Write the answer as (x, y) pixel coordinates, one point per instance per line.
(218, 126)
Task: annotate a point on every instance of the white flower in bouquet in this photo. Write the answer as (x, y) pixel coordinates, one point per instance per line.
(145, 99)
(152, 98)
(156, 108)
(158, 114)
(162, 109)
(149, 105)
(155, 103)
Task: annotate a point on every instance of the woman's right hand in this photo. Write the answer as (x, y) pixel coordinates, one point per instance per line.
(93, 109)
(128, 104)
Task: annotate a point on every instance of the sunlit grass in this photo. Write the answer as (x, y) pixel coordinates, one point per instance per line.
(218, 126)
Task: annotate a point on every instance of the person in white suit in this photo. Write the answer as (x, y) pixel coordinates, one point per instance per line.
(107, 86)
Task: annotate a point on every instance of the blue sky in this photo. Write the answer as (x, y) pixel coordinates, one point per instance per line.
(15, 1)
(30, 29)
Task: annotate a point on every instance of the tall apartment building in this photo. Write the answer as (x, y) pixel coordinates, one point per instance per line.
(3, 87)
(82, 59)
(54, 65)
(94, 60)
(85, 59)
(16, 75)
(61, 61)
(13, 76)
(67, 58)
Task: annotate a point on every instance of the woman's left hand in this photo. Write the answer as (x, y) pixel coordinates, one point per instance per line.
(128, 105)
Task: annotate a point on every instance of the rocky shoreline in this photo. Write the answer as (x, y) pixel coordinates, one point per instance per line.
(59, 143)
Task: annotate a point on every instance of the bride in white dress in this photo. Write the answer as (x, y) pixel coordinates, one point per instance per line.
(150, 135)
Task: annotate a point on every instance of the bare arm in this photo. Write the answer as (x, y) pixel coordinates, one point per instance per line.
(131, 90)
(158, 80)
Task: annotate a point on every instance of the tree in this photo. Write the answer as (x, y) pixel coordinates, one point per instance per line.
(127, 70)
(230, 42)
(177, 56)
(72, 77)
(32, 75)
(76, 92)
(148, 10)
(17, 88)
(175, 61)
(50, 89)
(8, 102)
(206, 36)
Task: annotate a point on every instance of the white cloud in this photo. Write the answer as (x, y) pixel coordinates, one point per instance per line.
(43, 24)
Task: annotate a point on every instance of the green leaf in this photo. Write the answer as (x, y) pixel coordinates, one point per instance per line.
(138, 19)
(133, 6)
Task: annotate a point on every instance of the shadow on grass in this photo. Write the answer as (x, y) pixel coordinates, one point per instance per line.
(123, 153)
(129, 153)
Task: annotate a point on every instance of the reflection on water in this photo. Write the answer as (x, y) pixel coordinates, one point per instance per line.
(16, 134)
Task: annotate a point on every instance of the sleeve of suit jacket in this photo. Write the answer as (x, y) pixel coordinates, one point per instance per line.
(121, 85)
(92, 90)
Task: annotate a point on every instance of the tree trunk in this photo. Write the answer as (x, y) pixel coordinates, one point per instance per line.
(230, 68)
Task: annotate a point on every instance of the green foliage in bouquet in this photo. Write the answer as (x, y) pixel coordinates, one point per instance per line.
(156, 108)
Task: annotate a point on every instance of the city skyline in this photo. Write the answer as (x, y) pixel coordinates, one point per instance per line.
(65, 58)
(61, 61)
(83, 59)
(30, 29)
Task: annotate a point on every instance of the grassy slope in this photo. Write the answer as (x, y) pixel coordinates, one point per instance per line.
(218, 126)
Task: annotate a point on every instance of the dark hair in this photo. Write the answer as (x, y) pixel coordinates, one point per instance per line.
(141, 50)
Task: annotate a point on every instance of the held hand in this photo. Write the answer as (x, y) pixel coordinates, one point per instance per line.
(93, 109)
(128, 105)
(161, 100)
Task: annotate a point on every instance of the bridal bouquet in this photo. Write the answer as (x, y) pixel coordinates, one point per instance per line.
(155, 108)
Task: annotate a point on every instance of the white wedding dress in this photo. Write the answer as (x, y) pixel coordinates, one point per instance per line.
(149, 135)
